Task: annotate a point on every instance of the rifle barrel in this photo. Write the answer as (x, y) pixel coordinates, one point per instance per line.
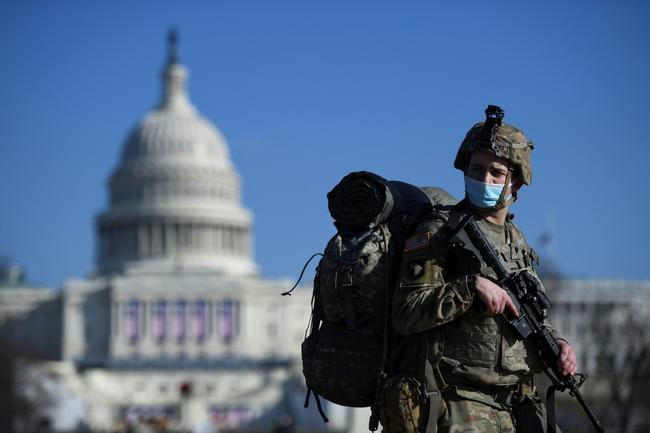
(578, 395)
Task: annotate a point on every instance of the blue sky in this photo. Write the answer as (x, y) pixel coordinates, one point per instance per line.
(307, 91)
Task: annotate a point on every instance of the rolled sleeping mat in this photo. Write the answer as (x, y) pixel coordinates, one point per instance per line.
(361, 200)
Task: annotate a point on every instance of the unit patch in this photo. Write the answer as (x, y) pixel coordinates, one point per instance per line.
(417, 242)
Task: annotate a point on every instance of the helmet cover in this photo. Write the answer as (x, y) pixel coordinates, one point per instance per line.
(500, 139)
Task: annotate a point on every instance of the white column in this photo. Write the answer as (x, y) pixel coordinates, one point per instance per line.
(196, 237)
(156, 239)
(218, 242)
(190, 236)
(214, 244)
(235, 241)
(115, 324)
(184, 235)
(200, 237)
(205, 238)
(240, 241)
(170, 237)
(229, 247)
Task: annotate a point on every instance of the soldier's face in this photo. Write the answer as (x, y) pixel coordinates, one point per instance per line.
(487, 168)
(491, 169)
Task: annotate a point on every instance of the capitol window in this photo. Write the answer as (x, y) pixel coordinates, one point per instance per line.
(200, 320)
(180, 320)
(228, 320)
(159, 319)
(132, 320)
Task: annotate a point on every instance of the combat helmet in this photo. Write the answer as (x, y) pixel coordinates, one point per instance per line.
(500, 139)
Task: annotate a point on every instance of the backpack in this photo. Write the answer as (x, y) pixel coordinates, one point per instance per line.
(344, 354)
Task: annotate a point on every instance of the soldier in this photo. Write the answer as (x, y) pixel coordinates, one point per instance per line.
(484, 373)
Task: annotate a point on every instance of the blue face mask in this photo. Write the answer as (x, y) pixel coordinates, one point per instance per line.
(483, 195)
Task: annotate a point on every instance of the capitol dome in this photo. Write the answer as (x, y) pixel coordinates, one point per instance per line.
(175, 200)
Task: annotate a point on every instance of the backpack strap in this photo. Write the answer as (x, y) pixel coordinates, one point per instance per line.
(346, 284)
(317, 316)
(375, 416)
(430, 389)
(387, 307)
(318, 404)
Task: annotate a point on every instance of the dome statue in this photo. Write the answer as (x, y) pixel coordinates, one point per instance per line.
(175, 201)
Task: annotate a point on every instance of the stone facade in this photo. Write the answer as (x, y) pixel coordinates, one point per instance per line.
(579, 303)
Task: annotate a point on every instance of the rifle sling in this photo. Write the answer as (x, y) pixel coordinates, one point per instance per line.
(550, 409)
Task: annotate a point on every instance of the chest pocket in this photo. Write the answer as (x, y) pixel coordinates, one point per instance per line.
(473, 340)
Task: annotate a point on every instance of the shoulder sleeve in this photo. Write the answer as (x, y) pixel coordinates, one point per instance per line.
(423, 298)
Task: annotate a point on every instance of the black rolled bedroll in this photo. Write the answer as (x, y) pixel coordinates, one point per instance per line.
(363, 200)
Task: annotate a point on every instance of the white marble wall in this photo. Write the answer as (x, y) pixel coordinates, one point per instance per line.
(238, 379)
(578, 303)
(126, 326)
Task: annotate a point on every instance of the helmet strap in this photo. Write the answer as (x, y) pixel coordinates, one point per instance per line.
(502, 201)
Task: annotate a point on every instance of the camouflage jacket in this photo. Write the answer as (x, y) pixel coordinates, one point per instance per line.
(433, 296)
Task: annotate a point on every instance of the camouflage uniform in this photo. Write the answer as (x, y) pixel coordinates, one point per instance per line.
(481, 366)
(478, 356)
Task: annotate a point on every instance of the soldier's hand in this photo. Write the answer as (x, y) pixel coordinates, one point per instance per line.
(566, 363)
(496, 299)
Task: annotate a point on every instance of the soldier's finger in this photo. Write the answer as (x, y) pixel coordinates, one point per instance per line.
(500, 306)
(570, 369)
(511, 306)
(563, 359)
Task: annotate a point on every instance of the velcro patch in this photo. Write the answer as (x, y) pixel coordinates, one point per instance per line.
(417, 242)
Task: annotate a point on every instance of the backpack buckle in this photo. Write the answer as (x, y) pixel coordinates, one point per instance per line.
(345, 283)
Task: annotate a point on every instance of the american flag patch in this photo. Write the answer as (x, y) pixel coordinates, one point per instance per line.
(417, 242)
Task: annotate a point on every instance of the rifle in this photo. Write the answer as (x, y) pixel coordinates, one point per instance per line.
(532, 304)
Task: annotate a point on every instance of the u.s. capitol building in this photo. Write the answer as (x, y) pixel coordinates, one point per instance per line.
(175, 325)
